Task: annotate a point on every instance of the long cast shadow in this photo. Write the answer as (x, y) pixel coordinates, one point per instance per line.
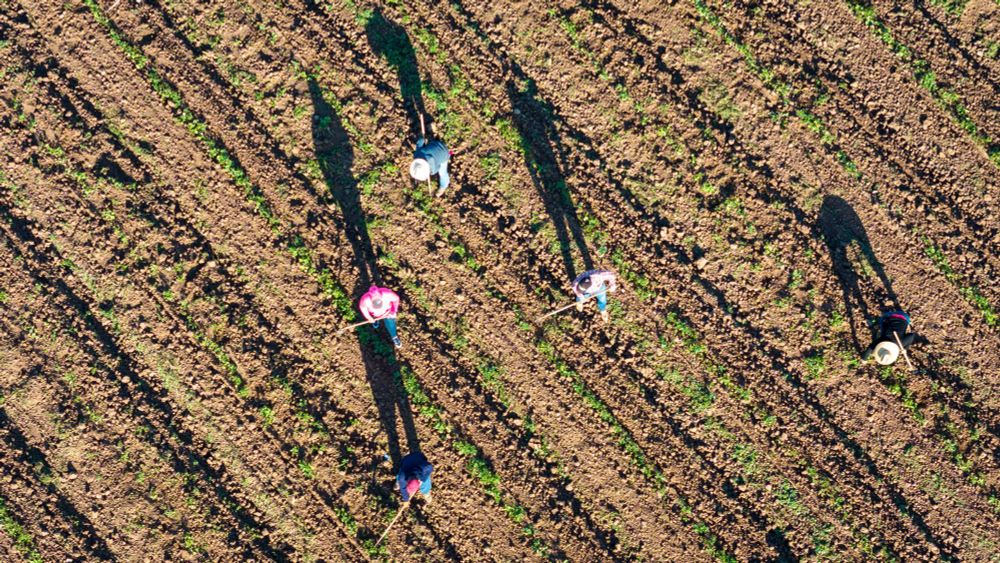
(185, 457)
(336, 158)
(778, 359)
(34, 457)
(389, 40)
(533, 118)
(846, 238)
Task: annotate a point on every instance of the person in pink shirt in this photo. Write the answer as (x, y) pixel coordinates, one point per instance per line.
(381, 304)
(594, 284)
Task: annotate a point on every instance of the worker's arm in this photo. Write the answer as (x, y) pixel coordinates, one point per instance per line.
(612, 282)
(393, 304)
(364, 306)
(401, 482)
(868, 351)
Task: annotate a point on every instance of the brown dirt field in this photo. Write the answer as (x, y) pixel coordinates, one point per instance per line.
(196, 194)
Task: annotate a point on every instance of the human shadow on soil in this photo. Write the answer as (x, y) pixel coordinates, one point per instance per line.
(389, 40)
(778, 359)
(336, 158)
(533, 118)
(853, 260)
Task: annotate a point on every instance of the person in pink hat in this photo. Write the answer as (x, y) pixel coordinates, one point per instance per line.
(381, 304)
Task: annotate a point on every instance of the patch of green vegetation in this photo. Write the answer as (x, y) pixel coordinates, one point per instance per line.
(191, 545)
(923, 74)
(373, 177)
(697, 392)
(690, 337)
(896, 383)
(716, 96)
(815, 364)
(640, 283)
(970, 293)
(23, 541)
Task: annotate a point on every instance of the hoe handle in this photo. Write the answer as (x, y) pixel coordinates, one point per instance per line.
(903, 350)
(355, 325)
(389, 527)
(423, 131)
(563, 308)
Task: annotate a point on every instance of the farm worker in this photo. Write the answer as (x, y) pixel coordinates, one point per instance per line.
(594, 284)
(885, 346)
(429, 159)
(381, 304)
(414, 474)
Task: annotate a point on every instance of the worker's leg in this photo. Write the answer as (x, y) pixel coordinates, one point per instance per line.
(579, 303)
(390, 327)
(401, 483)
(908, 339)
(868, 352)
(602, 305)
(443, 178)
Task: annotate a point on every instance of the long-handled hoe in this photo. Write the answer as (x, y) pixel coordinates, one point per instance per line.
(355, 325)
(423, 135)
(573, 304)
(389, 527)
(903, 350)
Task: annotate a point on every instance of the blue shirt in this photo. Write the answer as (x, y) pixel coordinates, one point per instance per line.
(414, 466)
(434, 152)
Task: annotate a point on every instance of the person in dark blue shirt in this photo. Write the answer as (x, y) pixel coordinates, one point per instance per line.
(431, 157)
(892, 326)
(414, 474)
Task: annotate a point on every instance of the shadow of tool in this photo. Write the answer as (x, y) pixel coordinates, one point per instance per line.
(854, 262)
(388, 39)
(533, 119)
(336, 157)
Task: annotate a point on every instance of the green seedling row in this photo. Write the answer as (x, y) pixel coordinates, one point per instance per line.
(23, 541)
(816, 125)
(296, 247)
(922, 73)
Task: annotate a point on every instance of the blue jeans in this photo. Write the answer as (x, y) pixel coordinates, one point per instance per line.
(602, 300)
(443, 178)
(390, 327)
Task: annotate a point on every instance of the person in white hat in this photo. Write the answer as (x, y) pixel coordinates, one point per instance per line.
(594, 284)
(430, 158)
(892, 332)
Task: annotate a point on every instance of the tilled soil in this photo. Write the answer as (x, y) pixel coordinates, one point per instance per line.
(196, 194)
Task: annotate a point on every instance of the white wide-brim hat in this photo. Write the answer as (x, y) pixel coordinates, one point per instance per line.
(420, 169)
(886, 353)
